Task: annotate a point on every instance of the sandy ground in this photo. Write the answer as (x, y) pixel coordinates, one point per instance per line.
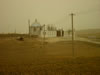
(32, 57)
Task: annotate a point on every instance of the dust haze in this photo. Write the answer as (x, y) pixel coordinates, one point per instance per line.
(14, 14)
(49, 37)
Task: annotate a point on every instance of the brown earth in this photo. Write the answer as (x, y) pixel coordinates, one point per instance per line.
(31, 57)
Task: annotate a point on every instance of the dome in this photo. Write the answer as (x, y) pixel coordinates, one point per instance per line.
(36, 23)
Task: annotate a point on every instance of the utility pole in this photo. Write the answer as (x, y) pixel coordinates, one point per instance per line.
(29, 26)
(15, 31)
(73, 50)
(44, 36)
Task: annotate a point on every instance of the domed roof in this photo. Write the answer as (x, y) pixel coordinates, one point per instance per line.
(36, 23)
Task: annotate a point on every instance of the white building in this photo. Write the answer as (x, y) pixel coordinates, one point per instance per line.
(44, 30)
(35, 28)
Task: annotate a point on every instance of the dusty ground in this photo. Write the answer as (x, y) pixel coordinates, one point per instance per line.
(30, 57)
(91, 36)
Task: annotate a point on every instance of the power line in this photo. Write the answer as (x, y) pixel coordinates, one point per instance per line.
(87, 11)
(78, 13)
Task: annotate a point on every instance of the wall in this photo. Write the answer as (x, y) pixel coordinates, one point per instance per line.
(36, 32)
(48, 34)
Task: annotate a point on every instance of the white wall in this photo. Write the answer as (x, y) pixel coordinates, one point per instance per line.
(65, 33)
(36, 32)
(48, 34)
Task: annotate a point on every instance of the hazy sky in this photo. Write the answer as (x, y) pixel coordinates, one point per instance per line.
(14, 14)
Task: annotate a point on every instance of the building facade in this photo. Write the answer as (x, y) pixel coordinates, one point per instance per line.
(44, 30)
